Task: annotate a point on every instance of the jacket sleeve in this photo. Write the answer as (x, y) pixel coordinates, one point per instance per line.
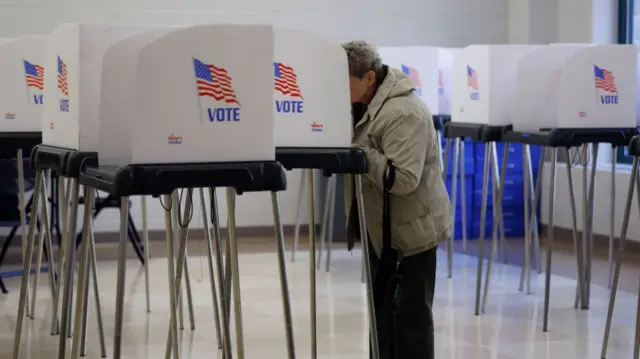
(404, 142)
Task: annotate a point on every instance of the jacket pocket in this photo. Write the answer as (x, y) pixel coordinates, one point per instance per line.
(417, 233)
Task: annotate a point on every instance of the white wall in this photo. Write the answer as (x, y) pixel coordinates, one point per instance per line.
(405, 22)
(533, 21)
(602, 208)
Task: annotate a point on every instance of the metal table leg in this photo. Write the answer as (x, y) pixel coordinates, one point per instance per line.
(39, 248)
(537, 193)
(454, 197)
(220, 274)
(483, 219)
(445, 164)
(235, 270)
(212, 277)
(85, 256)
(22, 304)
(312, 263)
(67, 298)
(612, 214)
(550, 235)
(332, 206)
(526, 269)
(177, 235)
(498, 186)
(284, 286)
(463, 195)
(64, 195)
(589, 230)
(585, 220)
(180, 266)
(187, 283)
(636, 340)
(96, 293)
(122, 271)
(325, 221)
(296, 230)
(574, 227)
(145, 238)
(373, 332)
(439, 147)
(23, 209)
(634, 181)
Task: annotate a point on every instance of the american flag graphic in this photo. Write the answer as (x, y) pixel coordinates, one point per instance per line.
(62, 77)
(472, 78)
(286, 80)
(214, 82)
(605, 80)
(413, 74)
(34, 75)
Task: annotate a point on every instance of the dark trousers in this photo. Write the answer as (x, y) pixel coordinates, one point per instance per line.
(405, 327)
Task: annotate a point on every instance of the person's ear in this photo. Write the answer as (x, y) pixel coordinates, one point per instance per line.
(371, 78)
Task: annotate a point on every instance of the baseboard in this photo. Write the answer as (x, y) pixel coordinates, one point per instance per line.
(103, 239)
(251, 232)
(599, 240)
(158, 235)
(561, 236)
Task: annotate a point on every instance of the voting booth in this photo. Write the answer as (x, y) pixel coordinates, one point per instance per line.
(74, 54)
(538, 82)
(577, 86)
(429, 68)
(196, 111)
(311, 91)
(22, 85)
(314, 129)
(599, 88)
(184, 102)
(484, 83)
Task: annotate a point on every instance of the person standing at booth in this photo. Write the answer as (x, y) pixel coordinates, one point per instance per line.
(406, 203)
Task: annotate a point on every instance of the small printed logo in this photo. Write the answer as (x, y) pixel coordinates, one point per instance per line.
(582, 114)
(63, 85)
(316, 127)
(34, 75)
(9, 116)
(174, 140)
(605, 84)
(285, 82)
(414, 75)
(51, 125)
(440, 83)
(214, 82)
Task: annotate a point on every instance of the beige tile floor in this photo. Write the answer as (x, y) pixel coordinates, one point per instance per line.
(510, 329)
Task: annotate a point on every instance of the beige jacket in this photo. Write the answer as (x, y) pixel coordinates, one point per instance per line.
(398, 126)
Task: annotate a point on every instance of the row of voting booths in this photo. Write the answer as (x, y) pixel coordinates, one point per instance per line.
(150, 111)
(563, 98)
(506, 110)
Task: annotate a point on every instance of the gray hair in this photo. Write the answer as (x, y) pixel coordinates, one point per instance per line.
(362, 57)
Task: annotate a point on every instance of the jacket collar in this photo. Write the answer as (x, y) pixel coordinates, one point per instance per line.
(381, 95)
